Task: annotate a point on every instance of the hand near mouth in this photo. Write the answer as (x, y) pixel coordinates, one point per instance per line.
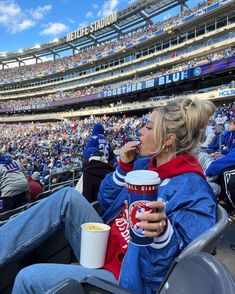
(129, 151)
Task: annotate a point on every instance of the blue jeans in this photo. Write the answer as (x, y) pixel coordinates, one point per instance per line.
(66, 208)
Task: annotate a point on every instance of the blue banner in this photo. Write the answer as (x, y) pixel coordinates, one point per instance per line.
(217, 66)
(227, 92)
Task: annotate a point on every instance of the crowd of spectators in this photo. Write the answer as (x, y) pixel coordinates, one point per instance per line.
(63, 95)
(50, 67)
(56, 146)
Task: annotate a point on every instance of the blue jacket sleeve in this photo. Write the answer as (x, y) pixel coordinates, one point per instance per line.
(111, 187)
(220, 139)
(216, 166)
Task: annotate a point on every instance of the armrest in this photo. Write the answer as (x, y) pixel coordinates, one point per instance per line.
(68, 286)
(97, 285)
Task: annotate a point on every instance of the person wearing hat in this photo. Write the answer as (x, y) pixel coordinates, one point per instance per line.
(99, 141)
(35, 187)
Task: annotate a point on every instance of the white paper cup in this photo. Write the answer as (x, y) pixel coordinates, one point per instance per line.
(94, 244)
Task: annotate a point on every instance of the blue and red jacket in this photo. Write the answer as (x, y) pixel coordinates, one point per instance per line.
(190, 208)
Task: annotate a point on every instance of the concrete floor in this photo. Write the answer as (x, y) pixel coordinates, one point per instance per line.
(224, 251)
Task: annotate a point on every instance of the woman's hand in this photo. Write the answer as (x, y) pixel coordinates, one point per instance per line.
(129, 151)
(154, 223)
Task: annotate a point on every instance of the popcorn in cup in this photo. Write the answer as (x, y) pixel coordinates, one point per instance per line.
(141, 186)
(94, 240)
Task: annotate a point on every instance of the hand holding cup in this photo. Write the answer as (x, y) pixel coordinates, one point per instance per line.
(154, 223)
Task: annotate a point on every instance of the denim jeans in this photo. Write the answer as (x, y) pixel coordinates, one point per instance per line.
(20, 235)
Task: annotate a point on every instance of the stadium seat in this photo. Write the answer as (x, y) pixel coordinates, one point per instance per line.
(67, 286)
(201, 273)
(89, 285)
(56, 179)
(196, 273)
(6, 215)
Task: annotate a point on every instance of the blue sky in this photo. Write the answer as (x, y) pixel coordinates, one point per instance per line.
(26, 23)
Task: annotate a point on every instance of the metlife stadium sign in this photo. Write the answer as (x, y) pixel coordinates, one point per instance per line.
(93, 27)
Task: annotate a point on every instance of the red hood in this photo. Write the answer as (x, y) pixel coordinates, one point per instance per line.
(181, 164)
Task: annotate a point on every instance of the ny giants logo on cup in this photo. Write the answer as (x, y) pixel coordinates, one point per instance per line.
(135, 209)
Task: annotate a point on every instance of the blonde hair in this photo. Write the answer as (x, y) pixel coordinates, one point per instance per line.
(187, 119)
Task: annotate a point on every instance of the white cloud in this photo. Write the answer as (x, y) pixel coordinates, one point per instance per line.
(15, 19)
(39, 12)
(8, 12)
(53, 29)
(89, 14)
(95, 6)
(23, 25)
(108, 7)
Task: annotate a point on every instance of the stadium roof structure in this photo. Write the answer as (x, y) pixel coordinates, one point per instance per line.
(133, 17)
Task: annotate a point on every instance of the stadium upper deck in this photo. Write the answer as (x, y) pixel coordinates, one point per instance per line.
(162, 54)
(136, 15)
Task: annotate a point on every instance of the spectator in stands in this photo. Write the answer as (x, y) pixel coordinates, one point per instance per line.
(35, 187)
(218, 141)
(166, 145)
(230, 138)
(13, 183)
(224, 169)
(99, 141)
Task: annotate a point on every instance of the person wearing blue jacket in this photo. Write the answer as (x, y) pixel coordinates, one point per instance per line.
(224, 168)
(218, 165)
(229, 142)
(98, 140)
(183, 209)
(218, 141)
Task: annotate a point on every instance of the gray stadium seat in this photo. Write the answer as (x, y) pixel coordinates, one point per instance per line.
(198, 272)
(201, 273)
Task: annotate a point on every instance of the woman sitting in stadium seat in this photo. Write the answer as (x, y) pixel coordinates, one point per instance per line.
(166, 146)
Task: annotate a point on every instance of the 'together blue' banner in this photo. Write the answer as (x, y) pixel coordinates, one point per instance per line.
(217, 66)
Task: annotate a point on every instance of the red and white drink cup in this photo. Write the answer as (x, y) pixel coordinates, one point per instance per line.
(142, 187)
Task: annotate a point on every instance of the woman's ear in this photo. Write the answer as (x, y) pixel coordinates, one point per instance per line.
(170, 139)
